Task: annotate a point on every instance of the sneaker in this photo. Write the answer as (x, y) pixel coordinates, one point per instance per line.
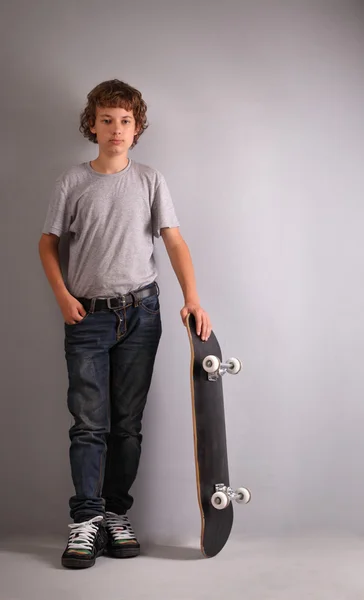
(122, 541)
(86, 542)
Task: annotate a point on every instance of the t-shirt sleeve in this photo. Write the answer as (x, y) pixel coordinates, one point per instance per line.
(163, 211)
(58, 214)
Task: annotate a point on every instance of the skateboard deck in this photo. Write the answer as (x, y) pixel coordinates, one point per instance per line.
(210, 447)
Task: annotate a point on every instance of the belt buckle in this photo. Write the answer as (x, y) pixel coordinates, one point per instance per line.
(108, 302)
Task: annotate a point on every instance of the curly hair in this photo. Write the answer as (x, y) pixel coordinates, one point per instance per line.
(113, 93)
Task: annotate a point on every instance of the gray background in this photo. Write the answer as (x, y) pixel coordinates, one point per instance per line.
(256, 121)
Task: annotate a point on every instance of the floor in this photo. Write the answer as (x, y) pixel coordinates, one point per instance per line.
(322, 568)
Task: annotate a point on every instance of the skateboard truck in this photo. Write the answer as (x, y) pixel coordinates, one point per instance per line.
(224, 494)
(215, 368)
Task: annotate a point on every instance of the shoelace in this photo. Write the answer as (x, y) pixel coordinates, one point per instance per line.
(83, 534)
(119, 526)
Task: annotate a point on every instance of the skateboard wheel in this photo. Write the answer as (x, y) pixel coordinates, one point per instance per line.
(244, 495)
(220, 500)
(211, 364)
(236, 366)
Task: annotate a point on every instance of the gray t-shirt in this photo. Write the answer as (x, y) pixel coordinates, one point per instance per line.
(111, 221)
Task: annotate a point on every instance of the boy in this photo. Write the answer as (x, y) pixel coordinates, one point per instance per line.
(112, 207)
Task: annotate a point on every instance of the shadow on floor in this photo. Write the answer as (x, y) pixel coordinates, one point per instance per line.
(46, 553)
(172, 552)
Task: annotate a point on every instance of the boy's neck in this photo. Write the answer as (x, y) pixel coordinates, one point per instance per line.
(108, 166)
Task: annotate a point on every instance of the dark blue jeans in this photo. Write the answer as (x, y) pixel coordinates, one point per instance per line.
(110, 357)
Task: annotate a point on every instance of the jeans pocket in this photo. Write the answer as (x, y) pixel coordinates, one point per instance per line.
(151, 305)
(78, 322)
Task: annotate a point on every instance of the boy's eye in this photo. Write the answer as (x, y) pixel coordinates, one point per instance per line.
(125, 121)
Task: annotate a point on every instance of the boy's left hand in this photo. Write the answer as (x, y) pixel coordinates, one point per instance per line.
(203, 323)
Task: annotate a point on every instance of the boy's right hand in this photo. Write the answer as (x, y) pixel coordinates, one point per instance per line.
(72, 310)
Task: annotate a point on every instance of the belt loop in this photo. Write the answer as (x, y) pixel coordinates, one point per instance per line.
(136, 301)
(157, 286)
(92, 306)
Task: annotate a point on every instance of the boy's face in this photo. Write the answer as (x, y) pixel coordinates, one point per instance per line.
(115, 129)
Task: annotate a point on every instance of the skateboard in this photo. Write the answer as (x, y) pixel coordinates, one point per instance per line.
(214, 493)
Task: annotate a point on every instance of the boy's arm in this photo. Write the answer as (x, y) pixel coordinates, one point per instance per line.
(48, 252)
(181, 262)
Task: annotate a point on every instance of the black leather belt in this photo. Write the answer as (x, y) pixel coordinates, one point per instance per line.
(119, 301)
